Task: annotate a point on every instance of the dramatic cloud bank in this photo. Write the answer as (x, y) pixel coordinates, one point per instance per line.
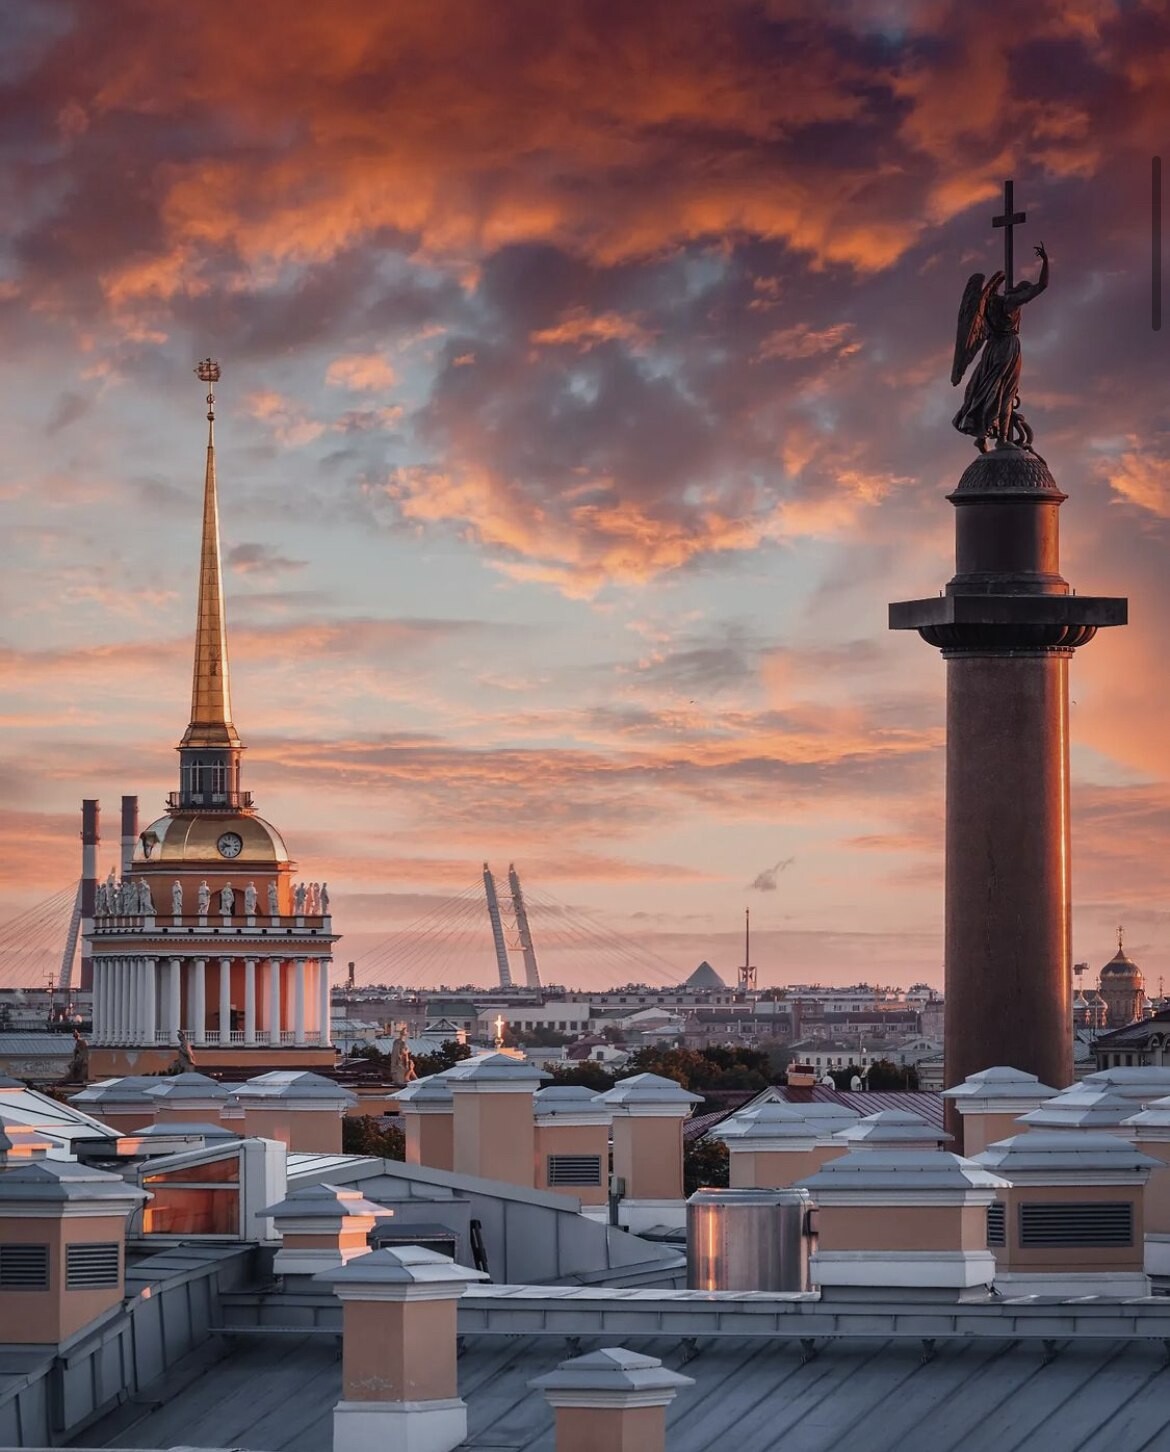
(585, 399)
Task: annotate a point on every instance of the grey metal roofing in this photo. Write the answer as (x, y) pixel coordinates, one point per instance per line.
(494, 1068)
(1000, 1082)
(60, 1181)
(866, 1101)
(281, 1085)
(54, 1045)
(891, 1127)
(648, 1089)
(754, 1394)
(193, 1087)
(911, 1171)
(1081, 1107)
(560, 1099)
(1038, 1152)
(1143, 1082)
(429, 1090)
(774, 1121)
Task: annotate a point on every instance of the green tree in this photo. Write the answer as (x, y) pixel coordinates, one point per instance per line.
(586, 1072)
(705, 1164)
(700, 1070)
(446, 1056)
(364, 1135)
(885, 1074)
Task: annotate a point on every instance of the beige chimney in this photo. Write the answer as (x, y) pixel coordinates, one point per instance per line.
(1072, 1222)
(398, 1351)
(122, 1104)
(428, 1122)
(494, 1130)
(773, 1145)
(301, 1109)
(1151, 1135)
(990, 1103)
(648, 1114)
(910, 1221)
(611, 1401)
(190, 1098)
(62, 1247)
(1140, 1083)
(1079, 1108)
(323, 1227)
(893, 1129)
(572, 1143)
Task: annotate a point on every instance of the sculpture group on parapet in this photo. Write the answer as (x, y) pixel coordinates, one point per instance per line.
(132, 896)
(129, 897)
(311, 898)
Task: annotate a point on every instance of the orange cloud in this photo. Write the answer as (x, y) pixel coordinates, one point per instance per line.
(577, 329)
(1140, 477)
(361, 373)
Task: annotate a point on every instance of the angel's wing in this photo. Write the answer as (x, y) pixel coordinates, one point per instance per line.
(972, 326)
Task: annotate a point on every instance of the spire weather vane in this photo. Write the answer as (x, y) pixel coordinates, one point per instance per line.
(989, 319)
(207, 372)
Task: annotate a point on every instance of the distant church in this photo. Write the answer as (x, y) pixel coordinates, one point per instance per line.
(207, 951)
(1123, 989)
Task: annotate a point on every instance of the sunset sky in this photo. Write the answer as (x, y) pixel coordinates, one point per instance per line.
(585, 400)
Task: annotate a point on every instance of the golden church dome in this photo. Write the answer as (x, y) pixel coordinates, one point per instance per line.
(1122, 970)
(212, 839)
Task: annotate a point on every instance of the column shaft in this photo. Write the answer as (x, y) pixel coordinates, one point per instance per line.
(274, 1024)
(324, 1035)
(200, 1004)
(150, 999)
(299, 1002)
(249, 1000)
(175, 1001)
(225, 1000)
(1007, 866)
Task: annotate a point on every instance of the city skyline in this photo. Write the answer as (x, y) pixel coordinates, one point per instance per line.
(568, 429)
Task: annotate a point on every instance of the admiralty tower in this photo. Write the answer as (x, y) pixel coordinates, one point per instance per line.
(207, 947)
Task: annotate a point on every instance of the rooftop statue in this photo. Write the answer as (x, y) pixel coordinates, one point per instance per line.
(402, 1070)
(989, 319)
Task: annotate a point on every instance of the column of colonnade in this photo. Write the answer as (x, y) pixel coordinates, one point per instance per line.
(142, 999)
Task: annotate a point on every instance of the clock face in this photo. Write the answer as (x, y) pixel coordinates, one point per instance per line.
(230, 845)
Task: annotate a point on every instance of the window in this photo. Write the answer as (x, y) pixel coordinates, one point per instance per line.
(91, 1267)
(1109, 1223)
(198, 1199)
(24, 1267)
(574, 1170)
(996, 1223)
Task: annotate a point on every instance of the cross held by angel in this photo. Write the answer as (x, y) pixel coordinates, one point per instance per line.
(989, 319)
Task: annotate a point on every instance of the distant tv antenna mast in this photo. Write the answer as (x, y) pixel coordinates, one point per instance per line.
(746, 976)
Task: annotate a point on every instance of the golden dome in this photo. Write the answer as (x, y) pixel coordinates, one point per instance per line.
(1121, 969)
(213, 839)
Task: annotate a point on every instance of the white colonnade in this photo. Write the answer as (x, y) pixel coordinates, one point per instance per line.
(145, 1000)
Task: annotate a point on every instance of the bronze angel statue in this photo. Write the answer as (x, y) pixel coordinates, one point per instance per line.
(990, 319)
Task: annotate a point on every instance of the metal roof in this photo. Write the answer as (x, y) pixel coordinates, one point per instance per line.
(756, 1394)
(867, 1101)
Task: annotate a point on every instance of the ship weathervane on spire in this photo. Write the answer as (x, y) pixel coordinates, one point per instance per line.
(208, 372)
(990, 320)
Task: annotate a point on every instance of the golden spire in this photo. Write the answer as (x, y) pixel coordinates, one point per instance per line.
(211, 702)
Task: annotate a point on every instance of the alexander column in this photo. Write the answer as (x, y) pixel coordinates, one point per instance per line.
(1007, 626)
